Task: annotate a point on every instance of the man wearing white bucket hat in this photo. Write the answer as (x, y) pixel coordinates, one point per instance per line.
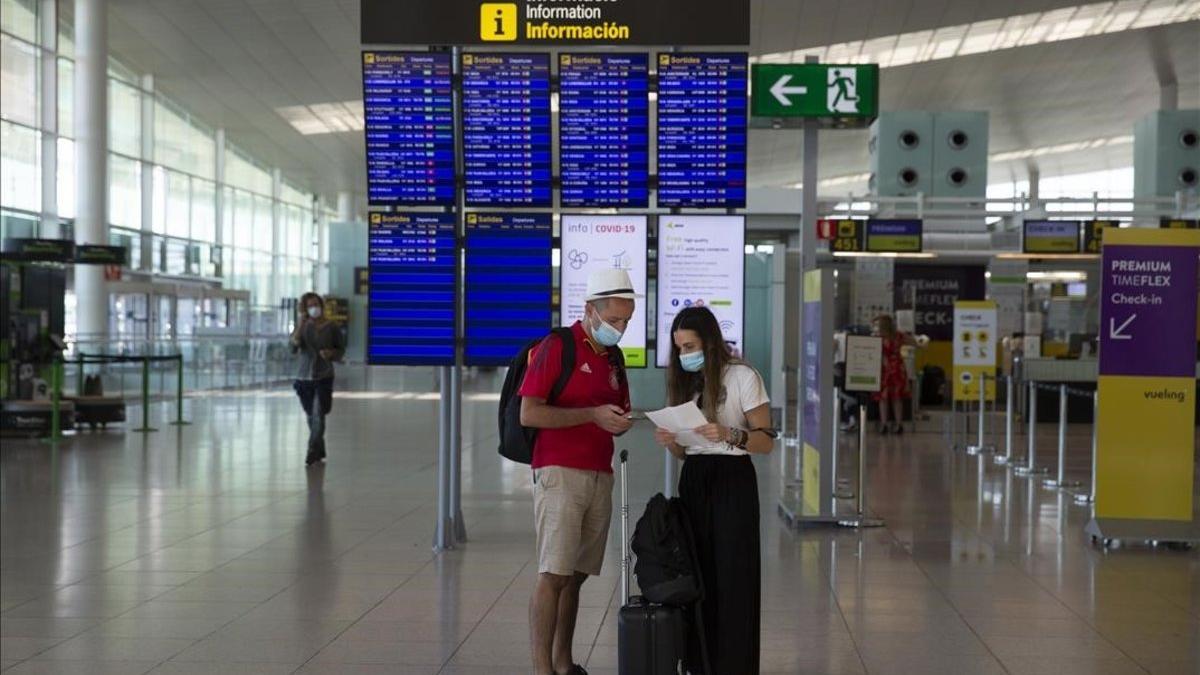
(572, 461)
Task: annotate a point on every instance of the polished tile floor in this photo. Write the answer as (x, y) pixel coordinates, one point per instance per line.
(210, 549)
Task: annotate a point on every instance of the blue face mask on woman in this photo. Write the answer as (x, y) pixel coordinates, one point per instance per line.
(692, 362)
(605, 334)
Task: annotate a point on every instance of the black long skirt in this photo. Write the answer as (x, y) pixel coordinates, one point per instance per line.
(720, 493)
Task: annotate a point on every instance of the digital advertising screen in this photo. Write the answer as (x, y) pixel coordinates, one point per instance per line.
(1051, 236)
(506, 129)
(508, 285)
(702, 138)
(597, 242)
(412, 260)
(604, 130)
(886, 235)
(701, 263)
(409, 115)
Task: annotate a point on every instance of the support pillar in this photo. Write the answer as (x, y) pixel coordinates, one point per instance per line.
(345, 206)
(91, 162)
(50, 228)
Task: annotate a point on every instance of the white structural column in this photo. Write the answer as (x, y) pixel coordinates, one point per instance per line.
(49, 102)
(345, 206)
(147, 176)
(91, 161)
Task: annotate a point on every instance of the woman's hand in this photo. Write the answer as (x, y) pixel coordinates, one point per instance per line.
(664, 438)
(714, 433)
(326, 354)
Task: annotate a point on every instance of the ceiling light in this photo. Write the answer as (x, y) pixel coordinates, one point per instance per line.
(324, 118)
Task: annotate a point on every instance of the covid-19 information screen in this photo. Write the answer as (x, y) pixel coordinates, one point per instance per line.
(604, 130)
(702, 108)
(409, 116)
(506, 129)
(412, 260)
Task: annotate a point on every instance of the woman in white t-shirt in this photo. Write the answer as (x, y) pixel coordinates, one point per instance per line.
(718, 485)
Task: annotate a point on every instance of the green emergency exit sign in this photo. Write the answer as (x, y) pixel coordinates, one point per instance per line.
(825, 90)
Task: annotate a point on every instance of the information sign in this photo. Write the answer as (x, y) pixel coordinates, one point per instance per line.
(96, 254)
(604, 130)
(506, 129)
(409, 115)
(864, 362)
(1051, 236)
(597, 242)
(893, 236)
(974, 349)
(815, 90)
(701, 263)
(412, 289)
(1093, 234)
(702, 130)
(847, 235)
(508, 280)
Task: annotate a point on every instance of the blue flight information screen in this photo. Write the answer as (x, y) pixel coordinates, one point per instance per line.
(411, 297)
(409, 114)
(506, 129)
(604, 130)
(508, 285)
(702, 108)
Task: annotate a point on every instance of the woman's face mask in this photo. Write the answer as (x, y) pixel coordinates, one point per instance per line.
(692, 362)
(314, 311)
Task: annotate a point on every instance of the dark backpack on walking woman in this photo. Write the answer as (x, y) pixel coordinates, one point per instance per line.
(666, 566)
(516, 441)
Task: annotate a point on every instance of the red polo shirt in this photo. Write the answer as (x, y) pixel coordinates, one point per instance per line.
(594, 382)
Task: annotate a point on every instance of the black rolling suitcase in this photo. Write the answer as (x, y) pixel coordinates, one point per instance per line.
(651, 639)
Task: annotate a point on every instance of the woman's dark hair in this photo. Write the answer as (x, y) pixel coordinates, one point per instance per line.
(682, 386)
(887, 326)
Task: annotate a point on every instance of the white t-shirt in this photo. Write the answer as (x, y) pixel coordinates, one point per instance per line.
(743, 391)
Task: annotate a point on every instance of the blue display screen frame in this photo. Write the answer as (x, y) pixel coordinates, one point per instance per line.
(405, 172)
(478, 194)
(587, 191)
(685, 193)
(522, 307)
(437, 352)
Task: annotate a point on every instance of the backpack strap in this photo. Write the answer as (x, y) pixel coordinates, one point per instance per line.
(567, 337)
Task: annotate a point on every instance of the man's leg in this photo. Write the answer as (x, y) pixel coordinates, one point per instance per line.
(564, 631)
(543, 618)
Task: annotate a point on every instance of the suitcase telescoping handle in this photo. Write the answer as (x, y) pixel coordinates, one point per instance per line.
(625, 561)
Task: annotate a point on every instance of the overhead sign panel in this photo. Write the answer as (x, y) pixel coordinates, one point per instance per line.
(1051, 236)
(549, 22)
(1093, 234)
(604, 129)
(412, 259)
(409, 115)
(506, 129)
(598, 242)
(507, 285)
(702, 130)
(701, 263)
(893, 236)
(824, 90)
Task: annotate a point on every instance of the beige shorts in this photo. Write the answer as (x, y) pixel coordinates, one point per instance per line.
(572, 509)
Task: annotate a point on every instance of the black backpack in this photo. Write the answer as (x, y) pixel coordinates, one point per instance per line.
(516, 441)
(666, 567)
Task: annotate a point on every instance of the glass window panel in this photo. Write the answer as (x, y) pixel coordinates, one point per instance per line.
(204, 210)
(20, 17)
(243, 219)
(66, 98)
(227, 216)
(66, 178)
(159, 201)
(240, 171)
(178, 205)
(180, 144)
(20, 167)
(131, 240)
(66, 37)
(125, 191)
(176, 260)
(263, 235)
(19, 81)
(125, 119)
(18, 225)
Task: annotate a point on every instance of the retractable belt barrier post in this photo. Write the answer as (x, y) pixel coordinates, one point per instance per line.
(179, 421)
(1090, 496)
(838, 484)
(145, 397)
(860, 519)
(1060, 481)
(980, 446)
(1030, 467)
(1006, 458)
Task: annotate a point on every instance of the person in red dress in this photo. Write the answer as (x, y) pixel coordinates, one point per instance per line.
(893, 385)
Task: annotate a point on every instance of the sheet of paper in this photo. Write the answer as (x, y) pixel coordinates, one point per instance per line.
(681, 420)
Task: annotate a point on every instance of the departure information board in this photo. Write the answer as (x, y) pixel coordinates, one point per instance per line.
(604, 130)
(412, 260)
(702, 130)
(409, 114)
(506, 129)
(507, 285)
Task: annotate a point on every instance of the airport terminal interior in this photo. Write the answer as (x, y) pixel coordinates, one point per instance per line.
(956, 241)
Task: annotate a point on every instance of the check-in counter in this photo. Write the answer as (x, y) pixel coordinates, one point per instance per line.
(1076, 374)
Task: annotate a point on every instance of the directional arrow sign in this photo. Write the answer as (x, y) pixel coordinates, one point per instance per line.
(844, 92)
(1115, 332)
(780, 90)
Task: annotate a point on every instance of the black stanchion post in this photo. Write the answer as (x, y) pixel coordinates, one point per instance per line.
(179, 421)
(145, 396)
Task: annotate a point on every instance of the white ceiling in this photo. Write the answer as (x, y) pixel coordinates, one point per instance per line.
(234, 62)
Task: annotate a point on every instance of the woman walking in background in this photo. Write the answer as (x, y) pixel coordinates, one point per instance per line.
(319, 342)
(718, 486)
(893, 385)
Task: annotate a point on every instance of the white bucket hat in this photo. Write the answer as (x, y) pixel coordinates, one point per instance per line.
(610, 283)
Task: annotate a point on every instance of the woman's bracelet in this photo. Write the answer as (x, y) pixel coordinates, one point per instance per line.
(738, 438)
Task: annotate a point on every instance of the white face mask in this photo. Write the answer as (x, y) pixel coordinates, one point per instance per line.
(314, 311)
